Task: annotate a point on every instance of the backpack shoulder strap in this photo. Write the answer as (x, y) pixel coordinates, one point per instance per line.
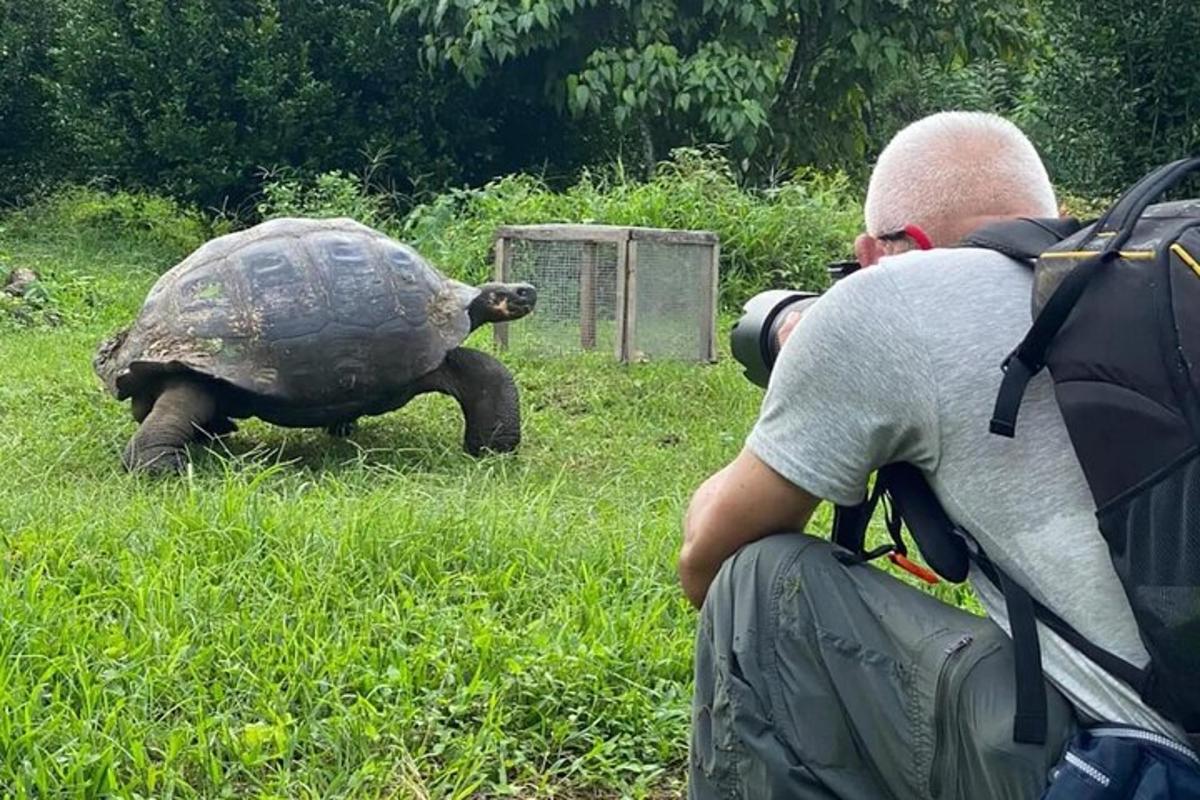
(1023, 239)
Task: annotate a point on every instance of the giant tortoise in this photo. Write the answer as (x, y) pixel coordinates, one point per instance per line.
(306, 323)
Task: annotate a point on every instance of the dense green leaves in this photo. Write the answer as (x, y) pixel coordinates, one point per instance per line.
(1108, 91)
(1117, 90)
(207, 93)
(751, 73)
(196, 97)
(29, 126)
(200, 97)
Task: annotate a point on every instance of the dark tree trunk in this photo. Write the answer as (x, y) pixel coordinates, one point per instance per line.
(649, 158)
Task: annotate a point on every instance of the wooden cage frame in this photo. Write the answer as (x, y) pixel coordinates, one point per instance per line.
(626, 239)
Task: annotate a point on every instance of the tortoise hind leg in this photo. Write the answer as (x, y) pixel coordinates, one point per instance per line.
(159, 446)
(485, 390)
(215, 428)
(140, 406)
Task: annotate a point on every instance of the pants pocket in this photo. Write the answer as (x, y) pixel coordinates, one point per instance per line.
(717, 749)
(896, 699)
(960, 654)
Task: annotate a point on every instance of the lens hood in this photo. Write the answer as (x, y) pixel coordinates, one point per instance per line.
(753, 338)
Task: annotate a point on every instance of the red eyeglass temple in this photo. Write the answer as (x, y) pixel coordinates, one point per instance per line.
(917, 235)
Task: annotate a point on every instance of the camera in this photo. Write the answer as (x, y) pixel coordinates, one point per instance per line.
(754, 339)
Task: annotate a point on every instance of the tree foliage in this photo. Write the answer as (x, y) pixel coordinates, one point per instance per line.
(1116, 90)
(198, 97)
(1108, 90)
(29, 96)
(763, 75)
(201, 95)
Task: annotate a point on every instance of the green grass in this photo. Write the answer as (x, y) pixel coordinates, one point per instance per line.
(304, 617)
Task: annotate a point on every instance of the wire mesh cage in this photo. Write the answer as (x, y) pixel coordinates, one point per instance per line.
(639, 293)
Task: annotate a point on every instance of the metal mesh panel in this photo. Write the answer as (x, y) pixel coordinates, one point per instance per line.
(633, 292)
(577, 296)
(1152, 537)
(673, 300)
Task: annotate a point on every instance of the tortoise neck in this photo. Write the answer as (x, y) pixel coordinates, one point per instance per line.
(480, 311)
(476, 313)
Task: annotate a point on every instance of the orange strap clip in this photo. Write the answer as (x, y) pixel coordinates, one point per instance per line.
(924, 573)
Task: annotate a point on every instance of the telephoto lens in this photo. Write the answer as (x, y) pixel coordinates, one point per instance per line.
(754, 339)
(755, 336)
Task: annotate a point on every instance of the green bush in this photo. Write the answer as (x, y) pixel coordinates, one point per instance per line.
(1108, 92)
(1116, 91)
(783, 236)
(30, 128)
(157, 223)
(330, 194)
(193, 98)
(35, 306)
(1082, 208)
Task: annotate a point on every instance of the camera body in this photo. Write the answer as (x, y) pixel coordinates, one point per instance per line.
(754, 339)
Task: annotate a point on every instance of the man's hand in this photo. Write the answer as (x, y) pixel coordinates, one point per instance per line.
(742, 503)
(785, 328)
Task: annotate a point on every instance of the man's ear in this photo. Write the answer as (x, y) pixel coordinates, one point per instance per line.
(868, 250)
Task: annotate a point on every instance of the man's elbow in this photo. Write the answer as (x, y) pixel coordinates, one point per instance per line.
(693, 578)
(694, 520)
(695, 573)
(687, 558)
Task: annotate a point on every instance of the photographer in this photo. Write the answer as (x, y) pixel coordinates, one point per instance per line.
(817, 679)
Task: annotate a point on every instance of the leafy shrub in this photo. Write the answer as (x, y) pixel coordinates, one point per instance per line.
(1108, 92)
(145, 218)
(34, 306)
(1080, 207)
(159, 224)
(192, 98)
(990, 85)
(782, 236)
(30, 148)
(330, 194)
(1116, 92)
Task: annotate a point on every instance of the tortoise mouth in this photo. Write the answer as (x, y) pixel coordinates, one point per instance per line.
(502, 302)
(511, 309)
(517, 302)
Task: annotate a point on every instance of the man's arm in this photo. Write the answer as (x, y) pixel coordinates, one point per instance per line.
(742, 503)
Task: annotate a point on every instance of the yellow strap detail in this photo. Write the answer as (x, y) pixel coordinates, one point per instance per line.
(1128, 255)
(1186, 257)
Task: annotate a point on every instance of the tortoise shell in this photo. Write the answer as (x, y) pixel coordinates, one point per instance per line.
(304, 313)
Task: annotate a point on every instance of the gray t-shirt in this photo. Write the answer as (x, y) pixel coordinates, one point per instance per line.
(901, 362)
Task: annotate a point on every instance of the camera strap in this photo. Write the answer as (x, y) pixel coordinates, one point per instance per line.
(909, 502)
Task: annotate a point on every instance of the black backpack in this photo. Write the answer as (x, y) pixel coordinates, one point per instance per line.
(1117, 321)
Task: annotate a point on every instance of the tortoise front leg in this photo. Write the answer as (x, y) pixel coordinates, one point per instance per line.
(179, 412)
(342, 429)
(485, 390)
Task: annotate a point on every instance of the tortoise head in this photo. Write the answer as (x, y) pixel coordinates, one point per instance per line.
(501, 302)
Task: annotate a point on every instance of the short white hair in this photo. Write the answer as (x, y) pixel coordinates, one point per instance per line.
(955, 166)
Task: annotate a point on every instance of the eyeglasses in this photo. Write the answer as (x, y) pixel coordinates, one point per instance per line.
(914, 232)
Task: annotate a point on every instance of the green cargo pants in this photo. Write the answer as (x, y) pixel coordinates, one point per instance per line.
(819, 680)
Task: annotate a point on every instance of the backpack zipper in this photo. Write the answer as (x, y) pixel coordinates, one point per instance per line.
(1148, 736)
(1087, 769)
